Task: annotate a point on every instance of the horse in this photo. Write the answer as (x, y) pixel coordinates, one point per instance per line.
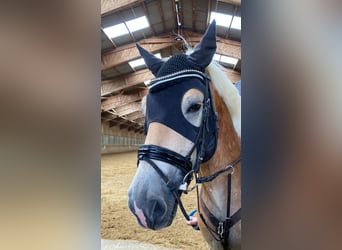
(193, 131)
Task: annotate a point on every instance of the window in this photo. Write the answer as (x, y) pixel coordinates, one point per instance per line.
(225, 59)
(221, 19)
(126, 27)
(224, 20)
(236, 24)
(116, 30)
(137, 24)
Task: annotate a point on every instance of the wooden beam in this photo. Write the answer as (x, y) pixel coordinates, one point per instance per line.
(135, 128)
(118, 56)
(124, 125)
(121, 83)
(107, 116)
(135, 115)
(140, 121)
(139, 130)
(132, 127)
(235, 2)
(224, 46)
(228, 50)
(111, 6)
(127, 109)
(113, 123)
(118, 121)
(129, 52)
(106, 119)
(121, 100)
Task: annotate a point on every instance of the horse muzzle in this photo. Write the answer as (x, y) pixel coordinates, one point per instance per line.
(150, 200)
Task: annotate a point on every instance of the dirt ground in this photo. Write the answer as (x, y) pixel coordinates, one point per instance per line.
(117, 222)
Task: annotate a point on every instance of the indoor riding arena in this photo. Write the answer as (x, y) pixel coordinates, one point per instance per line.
(158, 26)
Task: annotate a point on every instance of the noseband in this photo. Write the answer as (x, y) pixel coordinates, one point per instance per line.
(206, 137)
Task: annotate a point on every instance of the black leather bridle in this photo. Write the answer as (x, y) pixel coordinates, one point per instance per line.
(149, 153)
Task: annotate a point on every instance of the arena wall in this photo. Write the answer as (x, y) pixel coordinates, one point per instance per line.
(116, 140)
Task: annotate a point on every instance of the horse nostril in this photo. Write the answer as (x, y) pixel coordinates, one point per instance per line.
(158, 211)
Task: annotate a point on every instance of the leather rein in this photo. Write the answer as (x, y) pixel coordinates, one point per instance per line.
(218, 229)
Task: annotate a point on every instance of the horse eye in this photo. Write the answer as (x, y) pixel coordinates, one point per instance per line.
(194, 107)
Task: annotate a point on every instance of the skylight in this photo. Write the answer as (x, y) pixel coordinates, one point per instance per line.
(116, 30)
(121, 28)
(140, 62)
(136, 63)
(221, 19)
(236, 24)
(137, 24)
(224, 20)
(217, 57)
(225, 59)
(228, 59)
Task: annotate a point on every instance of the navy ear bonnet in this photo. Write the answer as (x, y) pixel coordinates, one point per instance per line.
(177, 63)
(163, 104)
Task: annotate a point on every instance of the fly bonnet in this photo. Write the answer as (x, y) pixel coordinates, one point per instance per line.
(163, 104)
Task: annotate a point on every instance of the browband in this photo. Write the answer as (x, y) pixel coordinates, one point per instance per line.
(158, 82)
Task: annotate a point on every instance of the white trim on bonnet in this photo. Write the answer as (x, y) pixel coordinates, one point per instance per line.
(176, 75)
(174, 78)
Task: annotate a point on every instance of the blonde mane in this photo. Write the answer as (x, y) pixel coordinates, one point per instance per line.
(228, 92)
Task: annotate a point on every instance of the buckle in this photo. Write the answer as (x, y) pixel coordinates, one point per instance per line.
(220, 230)
(183, 187)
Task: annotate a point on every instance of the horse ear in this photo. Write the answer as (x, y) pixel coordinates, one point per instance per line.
(204, 51)
(152, 62)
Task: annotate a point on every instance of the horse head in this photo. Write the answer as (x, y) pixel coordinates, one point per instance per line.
(179, 121)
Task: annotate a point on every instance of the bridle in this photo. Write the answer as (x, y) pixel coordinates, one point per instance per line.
(148, 153)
